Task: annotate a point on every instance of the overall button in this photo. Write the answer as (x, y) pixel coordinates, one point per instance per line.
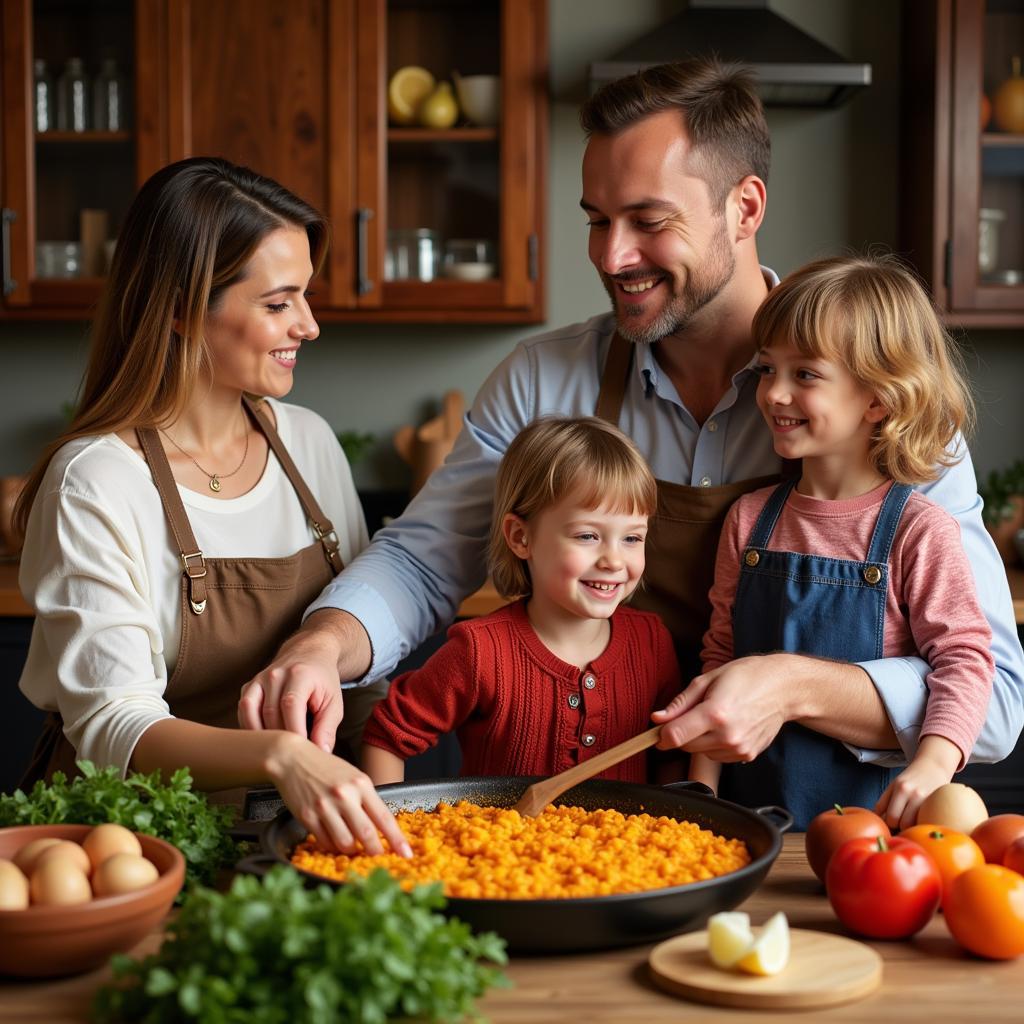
(589, 682)
(574, 700)
(589, 740)
(705, 481)
(872, 574)
(751, 558)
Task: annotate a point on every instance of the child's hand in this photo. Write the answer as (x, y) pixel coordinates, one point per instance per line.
(936, 761)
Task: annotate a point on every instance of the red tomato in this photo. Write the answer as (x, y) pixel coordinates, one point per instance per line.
(952, 852)
(995, 834)
(830, 829)
(985, 911)
(883, 888)
(1014, 856)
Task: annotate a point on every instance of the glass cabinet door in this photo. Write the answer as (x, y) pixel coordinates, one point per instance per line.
(447, 219)
(71, 168)
(988, 157)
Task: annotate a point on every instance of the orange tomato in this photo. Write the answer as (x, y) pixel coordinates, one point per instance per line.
(1014, 856)
(995, 834)
(985, 911)
(952, 852)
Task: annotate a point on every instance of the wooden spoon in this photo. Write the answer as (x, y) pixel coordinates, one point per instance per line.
(540, 794)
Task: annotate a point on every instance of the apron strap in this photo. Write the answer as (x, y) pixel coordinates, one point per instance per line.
(765, 525)
(887, 522)
(192, 561)
(613, 380)
(321, 525)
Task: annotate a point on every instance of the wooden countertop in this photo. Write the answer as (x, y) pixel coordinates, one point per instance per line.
(485, 600)
(927, 979)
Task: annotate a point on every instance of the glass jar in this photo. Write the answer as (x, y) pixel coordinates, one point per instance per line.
(110, 99)
(470, 259)
(42, 97)
(58, 259)
(73, 98)
(413, 254)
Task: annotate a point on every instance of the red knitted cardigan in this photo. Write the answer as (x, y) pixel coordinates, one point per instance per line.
(520, 710)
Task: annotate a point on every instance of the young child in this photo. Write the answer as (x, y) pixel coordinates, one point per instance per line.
(565, 672)
(860, 382)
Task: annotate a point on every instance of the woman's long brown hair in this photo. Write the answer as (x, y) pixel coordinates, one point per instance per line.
(188, 236)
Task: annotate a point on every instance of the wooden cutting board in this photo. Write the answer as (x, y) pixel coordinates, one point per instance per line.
(823, 970)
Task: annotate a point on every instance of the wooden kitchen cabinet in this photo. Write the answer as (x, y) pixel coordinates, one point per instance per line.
(297, 90)
(962, 195)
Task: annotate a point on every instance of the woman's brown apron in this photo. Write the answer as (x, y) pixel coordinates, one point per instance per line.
(682, 537)
(235, 612)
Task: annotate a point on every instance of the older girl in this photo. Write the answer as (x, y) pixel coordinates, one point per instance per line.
(860, 382)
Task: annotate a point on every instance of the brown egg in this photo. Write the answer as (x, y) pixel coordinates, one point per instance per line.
(13, 887)
(123, 872)
(65, 850)
(25, 858)
(106, 840)
(59, 883)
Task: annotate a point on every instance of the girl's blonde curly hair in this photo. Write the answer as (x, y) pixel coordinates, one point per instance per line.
(871, 314)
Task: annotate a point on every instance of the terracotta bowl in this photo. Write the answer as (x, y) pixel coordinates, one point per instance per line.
(47, 941)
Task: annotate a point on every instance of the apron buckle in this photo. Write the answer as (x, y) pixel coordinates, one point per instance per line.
(196, 590)
(329, 540)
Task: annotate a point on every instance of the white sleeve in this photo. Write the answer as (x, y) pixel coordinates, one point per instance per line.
(94, 613)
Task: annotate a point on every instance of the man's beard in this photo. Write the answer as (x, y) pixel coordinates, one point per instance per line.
(703, 284)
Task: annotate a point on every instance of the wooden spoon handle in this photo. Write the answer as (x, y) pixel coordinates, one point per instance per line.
(540, 794)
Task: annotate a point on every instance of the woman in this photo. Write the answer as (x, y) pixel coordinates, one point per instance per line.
(171, 542)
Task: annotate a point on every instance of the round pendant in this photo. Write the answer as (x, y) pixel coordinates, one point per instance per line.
(214, 483)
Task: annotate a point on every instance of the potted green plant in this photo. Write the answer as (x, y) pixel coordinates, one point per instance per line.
(1003, 494)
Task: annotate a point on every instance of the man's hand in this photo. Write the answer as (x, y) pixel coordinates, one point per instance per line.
(731, 713)
(306, 676)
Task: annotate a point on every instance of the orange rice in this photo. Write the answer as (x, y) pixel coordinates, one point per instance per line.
(494, 853)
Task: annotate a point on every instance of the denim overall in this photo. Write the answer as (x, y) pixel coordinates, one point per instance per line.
(826, 607)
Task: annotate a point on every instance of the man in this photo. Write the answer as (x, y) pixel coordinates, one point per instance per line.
(673, 190)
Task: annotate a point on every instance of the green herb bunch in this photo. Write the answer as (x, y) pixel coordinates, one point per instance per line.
(271, 951)
(143, 803)
(999, 488)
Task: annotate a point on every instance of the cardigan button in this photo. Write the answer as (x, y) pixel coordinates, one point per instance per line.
(751, 558)
(589, 740)
(872, 574)
(574, 700)
(589, 682)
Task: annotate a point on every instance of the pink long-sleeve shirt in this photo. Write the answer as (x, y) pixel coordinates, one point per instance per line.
(931, 606)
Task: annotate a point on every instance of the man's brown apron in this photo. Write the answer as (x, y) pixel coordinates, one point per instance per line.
(682, 537)
(235, 612)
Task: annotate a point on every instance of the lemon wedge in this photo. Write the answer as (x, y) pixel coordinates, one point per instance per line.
(729, 937)
(770, 951)
(408, 88)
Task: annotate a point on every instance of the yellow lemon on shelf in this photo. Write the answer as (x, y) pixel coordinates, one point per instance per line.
(729, 937)
(408, 88)
(439, 109)
(770, 951)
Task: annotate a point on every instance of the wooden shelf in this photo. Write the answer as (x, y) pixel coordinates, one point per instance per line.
(442, 135)
(1002, 139)
(79, 138)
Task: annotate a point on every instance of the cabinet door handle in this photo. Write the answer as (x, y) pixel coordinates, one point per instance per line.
(7, 217)
(363, 283)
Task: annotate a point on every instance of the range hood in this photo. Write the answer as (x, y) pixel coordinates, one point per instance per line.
(793, 69)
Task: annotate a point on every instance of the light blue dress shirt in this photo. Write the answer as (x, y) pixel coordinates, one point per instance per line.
(410, 581)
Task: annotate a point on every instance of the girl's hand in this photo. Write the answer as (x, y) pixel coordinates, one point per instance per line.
(936, 760)
(332, 798)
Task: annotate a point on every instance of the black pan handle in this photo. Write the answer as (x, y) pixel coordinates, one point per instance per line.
(257, 864)
(690, 786)
(778, 816)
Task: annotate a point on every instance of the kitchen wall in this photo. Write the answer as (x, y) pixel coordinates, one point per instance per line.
(832, 188)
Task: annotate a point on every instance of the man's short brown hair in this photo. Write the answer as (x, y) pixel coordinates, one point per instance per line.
(721, 112)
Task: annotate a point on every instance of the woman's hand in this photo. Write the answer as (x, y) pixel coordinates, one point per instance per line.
(332, 798)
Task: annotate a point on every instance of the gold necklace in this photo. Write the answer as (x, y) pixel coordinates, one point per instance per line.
(215, 478)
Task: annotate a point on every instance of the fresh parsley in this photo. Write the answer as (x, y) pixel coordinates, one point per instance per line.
(271, 951)
(143, 803)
